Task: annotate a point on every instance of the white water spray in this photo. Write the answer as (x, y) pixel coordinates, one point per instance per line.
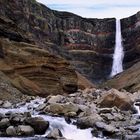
(118, 56)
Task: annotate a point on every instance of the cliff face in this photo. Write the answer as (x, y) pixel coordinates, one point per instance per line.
(29, 69)
(87, 43)
(131, 39)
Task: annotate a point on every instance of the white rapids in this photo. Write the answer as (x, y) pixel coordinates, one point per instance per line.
(118, 55)
(69, 131)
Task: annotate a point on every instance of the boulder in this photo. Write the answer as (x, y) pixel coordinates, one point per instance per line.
(113, 98)
(25, 130)
(7, 104)
(54, 134)
(38, 123)
(11, 131)
(106, 128)
(4, 123)
(55, 99)
(89, 121)
(56, 108)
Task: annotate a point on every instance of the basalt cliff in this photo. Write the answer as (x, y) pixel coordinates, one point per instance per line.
(43, 51)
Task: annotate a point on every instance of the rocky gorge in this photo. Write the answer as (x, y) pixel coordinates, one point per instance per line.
(90, 113)
(66, 60)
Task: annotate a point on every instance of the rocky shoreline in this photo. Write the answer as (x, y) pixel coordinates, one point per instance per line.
(93, 109)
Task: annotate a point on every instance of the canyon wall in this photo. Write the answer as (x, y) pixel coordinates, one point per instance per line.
(87, 43)
(131, 39)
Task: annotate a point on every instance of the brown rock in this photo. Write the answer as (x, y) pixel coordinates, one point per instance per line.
(35, 71)
(115, 98)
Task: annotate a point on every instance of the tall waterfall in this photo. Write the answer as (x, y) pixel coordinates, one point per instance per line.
(118, 56)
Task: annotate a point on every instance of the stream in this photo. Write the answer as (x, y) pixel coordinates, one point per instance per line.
(69, 131)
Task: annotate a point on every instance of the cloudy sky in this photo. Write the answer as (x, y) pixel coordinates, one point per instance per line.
(96, 8)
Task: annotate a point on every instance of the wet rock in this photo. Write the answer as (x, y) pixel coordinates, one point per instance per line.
(107, 129)
(132, 128)
(25, 130)
(115, 98)
(30, 107)
(137, 103)
(11, 131)
(89, 121)
(9, 113)
(132, 137)
(2, 116)
(68, 120)
(55, 134)
(39, 124)
(16, 119)
(41, 107)
(7, 104)
(4, 123)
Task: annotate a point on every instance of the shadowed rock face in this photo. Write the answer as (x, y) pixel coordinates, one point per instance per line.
(87, 43)
(131, 39)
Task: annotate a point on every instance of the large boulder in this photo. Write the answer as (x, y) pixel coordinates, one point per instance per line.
(25, 130)
(57, 108)
(38, 123)
(88, 121)
(4, 123)
(11, 131)
(113, 98)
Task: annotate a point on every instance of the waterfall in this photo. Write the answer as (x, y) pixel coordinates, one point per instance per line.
(118, 56)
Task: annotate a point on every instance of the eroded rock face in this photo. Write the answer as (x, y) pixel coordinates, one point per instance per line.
(87, 43)
(35, 71)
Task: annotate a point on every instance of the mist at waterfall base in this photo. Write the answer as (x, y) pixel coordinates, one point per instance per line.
(117, 66)
(69, 131)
